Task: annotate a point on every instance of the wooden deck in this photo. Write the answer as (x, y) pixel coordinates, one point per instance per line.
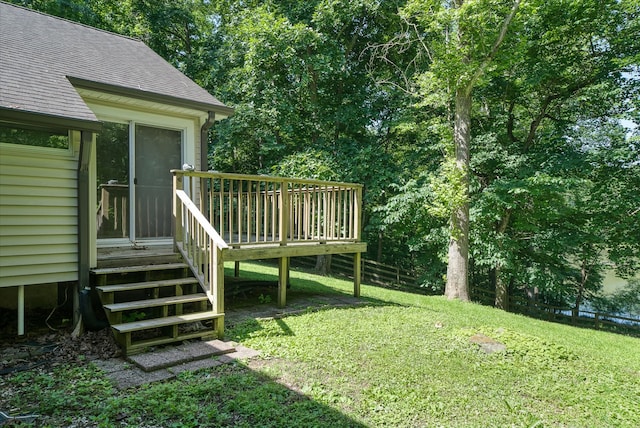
(232, 217)
(218, 218)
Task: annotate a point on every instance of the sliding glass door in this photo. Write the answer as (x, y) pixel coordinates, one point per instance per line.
(158, 151)
(133, 164)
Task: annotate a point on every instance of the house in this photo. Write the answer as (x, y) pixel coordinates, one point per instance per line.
(103, 159)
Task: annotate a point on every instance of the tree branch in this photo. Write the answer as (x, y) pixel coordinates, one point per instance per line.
(496, 45)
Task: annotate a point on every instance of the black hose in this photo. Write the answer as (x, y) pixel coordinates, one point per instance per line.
(88, 311)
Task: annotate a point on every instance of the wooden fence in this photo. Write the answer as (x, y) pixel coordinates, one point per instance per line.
(371, 271)
(152, 211)
(113, 211)
(390, 276)
(201, 246)
(241, 210)
(561, 314)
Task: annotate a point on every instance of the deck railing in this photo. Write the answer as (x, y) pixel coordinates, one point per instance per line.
(152, 210)
(254, 209)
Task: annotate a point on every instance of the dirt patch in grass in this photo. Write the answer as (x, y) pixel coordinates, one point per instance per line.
(55, 348)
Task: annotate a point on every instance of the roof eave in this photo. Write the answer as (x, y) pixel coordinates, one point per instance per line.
(150, 96)
(41, 120)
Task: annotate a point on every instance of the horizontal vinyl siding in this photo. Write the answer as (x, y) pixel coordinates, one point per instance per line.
(26, 249)
(38, 216)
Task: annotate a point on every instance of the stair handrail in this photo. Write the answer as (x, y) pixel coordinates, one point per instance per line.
(201, 246)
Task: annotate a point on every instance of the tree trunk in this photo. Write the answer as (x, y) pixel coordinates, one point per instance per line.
(458, 264)
(502, 288)
(323, 264)
(584, 275)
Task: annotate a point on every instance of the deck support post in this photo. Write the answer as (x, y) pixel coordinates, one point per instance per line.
(219, 293)
(20, 310)
(283, 278)
(236, 269)
(87, 143)
(357, 273)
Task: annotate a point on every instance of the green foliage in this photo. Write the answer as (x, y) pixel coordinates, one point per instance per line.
(312, 164)
(112, 146)
(363, 91)
(264, 299)
(133, 316)
(37, 138)
(61, 392)
(295, 85)
(406, 360)
(449, 189)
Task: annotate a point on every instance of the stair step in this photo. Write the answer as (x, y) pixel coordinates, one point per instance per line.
(119, 256)
(147, 284)
(181, 354)
(164, 322)
(143, 345)
(150, 303)
(142, 268)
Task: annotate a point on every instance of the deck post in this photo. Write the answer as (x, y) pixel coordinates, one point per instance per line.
(85, 212)
(284, 212)
(357, 272)
(219, 292)
(283, 276)
(20, 310)
(177, 211)
(357, 217)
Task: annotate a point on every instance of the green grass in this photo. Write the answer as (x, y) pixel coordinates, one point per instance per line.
(401, 360)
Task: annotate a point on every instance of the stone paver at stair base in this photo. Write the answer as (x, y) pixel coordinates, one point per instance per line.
(167, 363)
(171, 356)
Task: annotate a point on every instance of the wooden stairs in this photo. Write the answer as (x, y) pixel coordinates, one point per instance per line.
(154, 304)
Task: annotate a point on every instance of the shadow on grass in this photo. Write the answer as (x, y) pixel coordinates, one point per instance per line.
(229, 395)
(239, 396)
(258, 300)
(257, 288)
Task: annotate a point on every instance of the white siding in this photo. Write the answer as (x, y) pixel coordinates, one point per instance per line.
(38, 215)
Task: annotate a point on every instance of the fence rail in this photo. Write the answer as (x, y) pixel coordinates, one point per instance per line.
(201, 246)
(152, 211)
(386, 275)
(561, 314)
(371, 271)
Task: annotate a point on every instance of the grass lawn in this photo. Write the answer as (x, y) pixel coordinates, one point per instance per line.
(399, 360)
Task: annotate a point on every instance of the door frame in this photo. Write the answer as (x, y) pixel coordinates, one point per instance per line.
(189, 127)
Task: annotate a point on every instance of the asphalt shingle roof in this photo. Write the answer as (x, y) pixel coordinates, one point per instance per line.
(39, 53)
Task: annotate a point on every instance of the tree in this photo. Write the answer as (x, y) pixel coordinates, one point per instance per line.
(536, 194)
(549, 125)
(461, 40)
(297, 73)
(532, 220)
